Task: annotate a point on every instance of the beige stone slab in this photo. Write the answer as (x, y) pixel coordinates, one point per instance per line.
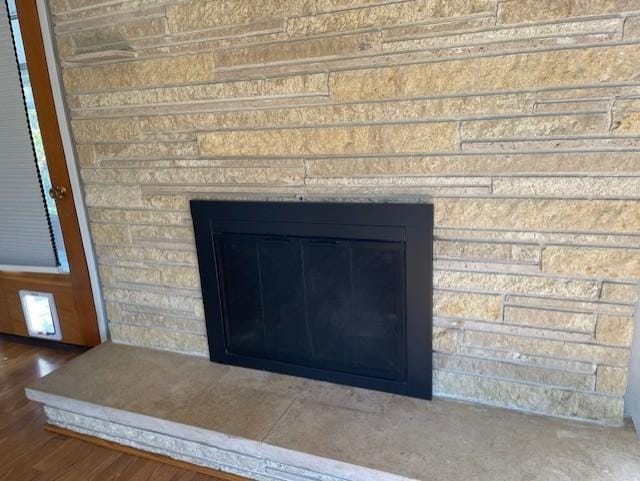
(390, 14)
(546, 318)
(495, 35)
(577, 351)
(466, 304)
(198, 14)
(515, 71)
(331, 140)
(568, 186)
(540, 214)
(611, 380)
(516, 11)
(315, 115)
(339, 432)
(614, 330)
(319, 47)
(139, 73)
(632, 28)
(478, 164)
(592, 262)
(515, 371)
(400, 32)
(538, 126)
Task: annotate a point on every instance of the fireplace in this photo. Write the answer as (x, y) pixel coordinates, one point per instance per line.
(339, 292)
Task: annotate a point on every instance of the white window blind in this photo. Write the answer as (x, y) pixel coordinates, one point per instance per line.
(25, 229)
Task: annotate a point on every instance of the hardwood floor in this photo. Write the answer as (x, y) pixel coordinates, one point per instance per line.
(28, 453)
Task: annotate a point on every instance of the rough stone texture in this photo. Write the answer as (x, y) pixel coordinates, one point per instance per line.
(520, 119)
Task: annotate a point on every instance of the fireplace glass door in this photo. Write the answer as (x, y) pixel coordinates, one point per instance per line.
(327, 303)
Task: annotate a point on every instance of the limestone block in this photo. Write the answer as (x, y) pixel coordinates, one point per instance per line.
(514, 371)
(568, 186)
(159, 338)
(541, 214)
(487, 251)
(539, 126)
(517, 11)
(143, 150)
(515, 283)
(550, 347)
(501, 35)
(146, 254)
(113, 196)
(181, 277)
(592, 262)
(480, 164)
(139, 216)
(530, 397)
(153, 299)
(315, 115)
(198, 14)
(466, 304)
(119, 34)
(216, 91)
(614, 330)
(163, 321)
(611, 380)
(632, 28)
(627, 293)
(105, 130)
(394, 13)
(445, 340)
(516, 71)
(332, 140)
(399, 32)
(110, 233)
(139, 73)
(86, 155)
(564, 320)
(296, 50)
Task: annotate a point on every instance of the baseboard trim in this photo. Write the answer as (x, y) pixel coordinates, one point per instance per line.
(221, 475)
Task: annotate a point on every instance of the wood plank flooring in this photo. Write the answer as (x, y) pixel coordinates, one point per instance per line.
(28, 453)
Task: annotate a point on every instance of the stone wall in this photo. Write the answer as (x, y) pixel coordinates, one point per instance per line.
(520, 118)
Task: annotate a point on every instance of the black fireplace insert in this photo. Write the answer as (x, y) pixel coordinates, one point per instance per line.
(339, 292)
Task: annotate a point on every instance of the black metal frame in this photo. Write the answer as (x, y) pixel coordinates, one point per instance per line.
(410, 223)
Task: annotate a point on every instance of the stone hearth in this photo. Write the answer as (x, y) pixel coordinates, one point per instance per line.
(272, 427)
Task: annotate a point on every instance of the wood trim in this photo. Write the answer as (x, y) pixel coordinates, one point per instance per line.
(144, 454)
(86, 331)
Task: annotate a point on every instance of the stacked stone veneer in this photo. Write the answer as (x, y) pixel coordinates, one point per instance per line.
(521, 118)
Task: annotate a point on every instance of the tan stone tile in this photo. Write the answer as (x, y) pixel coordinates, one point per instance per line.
(550, 347)
(514, 371)
(614, 330)
(517, 71)
(543, 214)
(538, 126)
(139, 73)
(514, 283)
(592, 262)
(297, 50)
(611, 380)
(198, 14)
(331, 140)
(620, 292)
(565, 320)
(446, 340)
(381, 15)
(466, 304)
(516, 11)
